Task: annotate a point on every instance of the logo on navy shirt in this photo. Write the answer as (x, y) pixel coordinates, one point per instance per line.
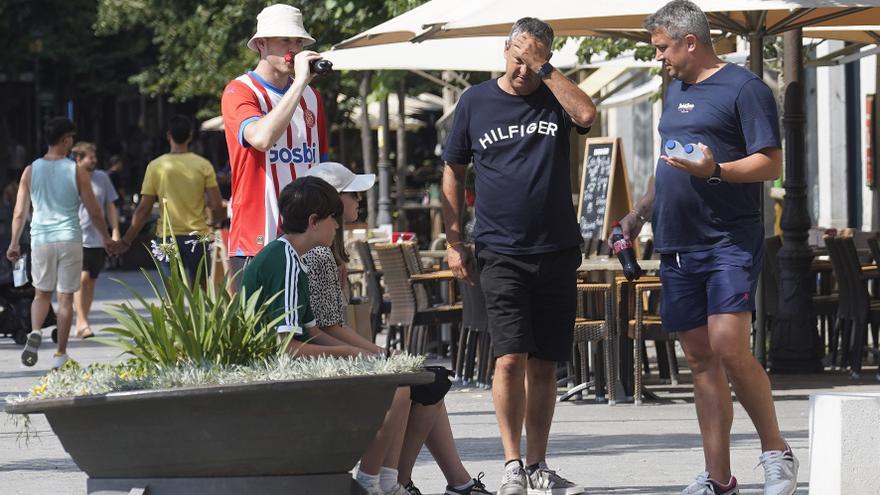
(685, 107)
(521, 130)
(303, 154)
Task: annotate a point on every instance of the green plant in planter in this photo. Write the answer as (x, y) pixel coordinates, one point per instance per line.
(196, 322)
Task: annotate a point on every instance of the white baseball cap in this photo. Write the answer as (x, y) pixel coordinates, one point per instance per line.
(280, 21)
(341, 178)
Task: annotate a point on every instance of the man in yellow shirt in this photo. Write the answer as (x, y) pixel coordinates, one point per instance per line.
(182, 180)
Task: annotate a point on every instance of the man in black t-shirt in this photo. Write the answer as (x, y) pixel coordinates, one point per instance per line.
(516, 130)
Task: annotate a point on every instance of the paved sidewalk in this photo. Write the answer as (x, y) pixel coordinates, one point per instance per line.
(622, 449)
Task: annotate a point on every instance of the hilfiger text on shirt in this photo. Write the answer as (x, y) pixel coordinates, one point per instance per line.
(521, 130)
(303, 154)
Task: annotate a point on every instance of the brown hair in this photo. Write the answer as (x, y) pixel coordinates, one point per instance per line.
(83, 148)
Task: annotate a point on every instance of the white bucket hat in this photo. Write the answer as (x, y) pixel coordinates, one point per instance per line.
(341, 178)
(280, 21)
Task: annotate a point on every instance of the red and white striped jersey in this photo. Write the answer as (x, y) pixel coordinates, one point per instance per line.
(258, 177)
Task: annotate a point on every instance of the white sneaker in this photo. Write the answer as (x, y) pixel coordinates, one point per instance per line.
(704, 485)
(780, 472)
(58, 360)
(375, 489)
(514, 481)
(545, 481)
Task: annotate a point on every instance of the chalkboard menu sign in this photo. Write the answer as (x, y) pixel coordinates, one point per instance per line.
(605, 195)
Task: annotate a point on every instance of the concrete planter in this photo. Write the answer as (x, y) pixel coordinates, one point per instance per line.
(300, 436)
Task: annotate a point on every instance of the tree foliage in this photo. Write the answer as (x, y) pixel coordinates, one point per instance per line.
(200, 44)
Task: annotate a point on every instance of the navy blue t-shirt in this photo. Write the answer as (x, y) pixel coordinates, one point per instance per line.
(520, 150)
(734, 114)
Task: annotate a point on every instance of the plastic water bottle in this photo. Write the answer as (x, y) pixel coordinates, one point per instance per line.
(687, 151)
(623, 249)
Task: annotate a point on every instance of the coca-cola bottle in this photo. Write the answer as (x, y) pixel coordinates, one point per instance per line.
(623, 249)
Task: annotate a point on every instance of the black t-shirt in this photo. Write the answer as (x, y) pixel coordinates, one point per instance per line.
(734, 114)
(520, 150)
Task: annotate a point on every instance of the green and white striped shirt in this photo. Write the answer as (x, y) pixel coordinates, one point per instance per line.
(278, 268)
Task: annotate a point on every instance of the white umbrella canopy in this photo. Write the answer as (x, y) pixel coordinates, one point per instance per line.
(413, 22)
(459, 54)
(574, 18)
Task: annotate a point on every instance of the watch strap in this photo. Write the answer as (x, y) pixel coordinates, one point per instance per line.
(545, 70)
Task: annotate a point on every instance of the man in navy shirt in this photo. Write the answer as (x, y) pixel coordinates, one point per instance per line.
(516, 130)
(708, 229)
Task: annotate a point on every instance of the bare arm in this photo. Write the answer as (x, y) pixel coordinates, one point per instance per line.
(347, 335)
(315, 347)
(19, 215)
(575, 102)
(765, 164)
(84, 183)
(139, 218)
(113, 217)
(459, 257)
(215, 204)
(263, 133)
(632, 223)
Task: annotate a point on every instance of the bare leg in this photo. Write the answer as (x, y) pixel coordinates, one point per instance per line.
(82, 300)
(394, 424)
(712, 400)
(509, 394)
(441, 443)
(729, 337)
(541, 405)
(65, 317)
(421, 421)
(40, 308)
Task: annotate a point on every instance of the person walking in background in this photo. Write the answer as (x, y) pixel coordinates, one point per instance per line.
(275, 128)
(709, 231)
(516, 129)
(94, 253)
(182, 181)
(56, 188)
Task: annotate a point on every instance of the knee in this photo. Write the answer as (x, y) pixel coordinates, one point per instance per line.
(540, 369)
(734, 362)
(701, 361)
(511, 365)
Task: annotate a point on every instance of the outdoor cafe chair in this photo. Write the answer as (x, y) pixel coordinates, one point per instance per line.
(593, 328)
(379, 303)
(473, 354)
(647, 325)
(857, 309)
(410, 311)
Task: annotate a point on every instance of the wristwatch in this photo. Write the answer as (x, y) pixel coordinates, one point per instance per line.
(545, 70)
(715, 178)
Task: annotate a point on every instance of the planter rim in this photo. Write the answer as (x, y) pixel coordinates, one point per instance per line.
(48, 405)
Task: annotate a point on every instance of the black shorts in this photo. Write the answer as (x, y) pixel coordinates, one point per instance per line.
(93, 261)
(531, 301)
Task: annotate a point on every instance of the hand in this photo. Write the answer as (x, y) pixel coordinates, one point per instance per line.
(13, 253)
(301, 67)
(460, 262)
(530, 50)
(703, 168)
(631, 227)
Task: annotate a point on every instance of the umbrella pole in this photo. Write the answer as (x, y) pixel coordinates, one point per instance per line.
(756, 64)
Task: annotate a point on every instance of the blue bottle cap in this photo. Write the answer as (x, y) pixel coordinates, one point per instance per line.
(688, 148)
(670, 144)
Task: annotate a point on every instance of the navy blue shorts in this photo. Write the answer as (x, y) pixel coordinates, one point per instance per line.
(702, 283)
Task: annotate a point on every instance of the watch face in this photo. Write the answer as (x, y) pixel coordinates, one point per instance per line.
(714, 180)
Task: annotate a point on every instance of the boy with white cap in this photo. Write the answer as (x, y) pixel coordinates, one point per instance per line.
(275, 128)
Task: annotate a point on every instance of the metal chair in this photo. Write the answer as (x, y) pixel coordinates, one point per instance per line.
(473, 355)
(647, 325)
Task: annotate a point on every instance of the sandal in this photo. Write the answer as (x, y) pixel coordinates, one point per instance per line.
(84, 333)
